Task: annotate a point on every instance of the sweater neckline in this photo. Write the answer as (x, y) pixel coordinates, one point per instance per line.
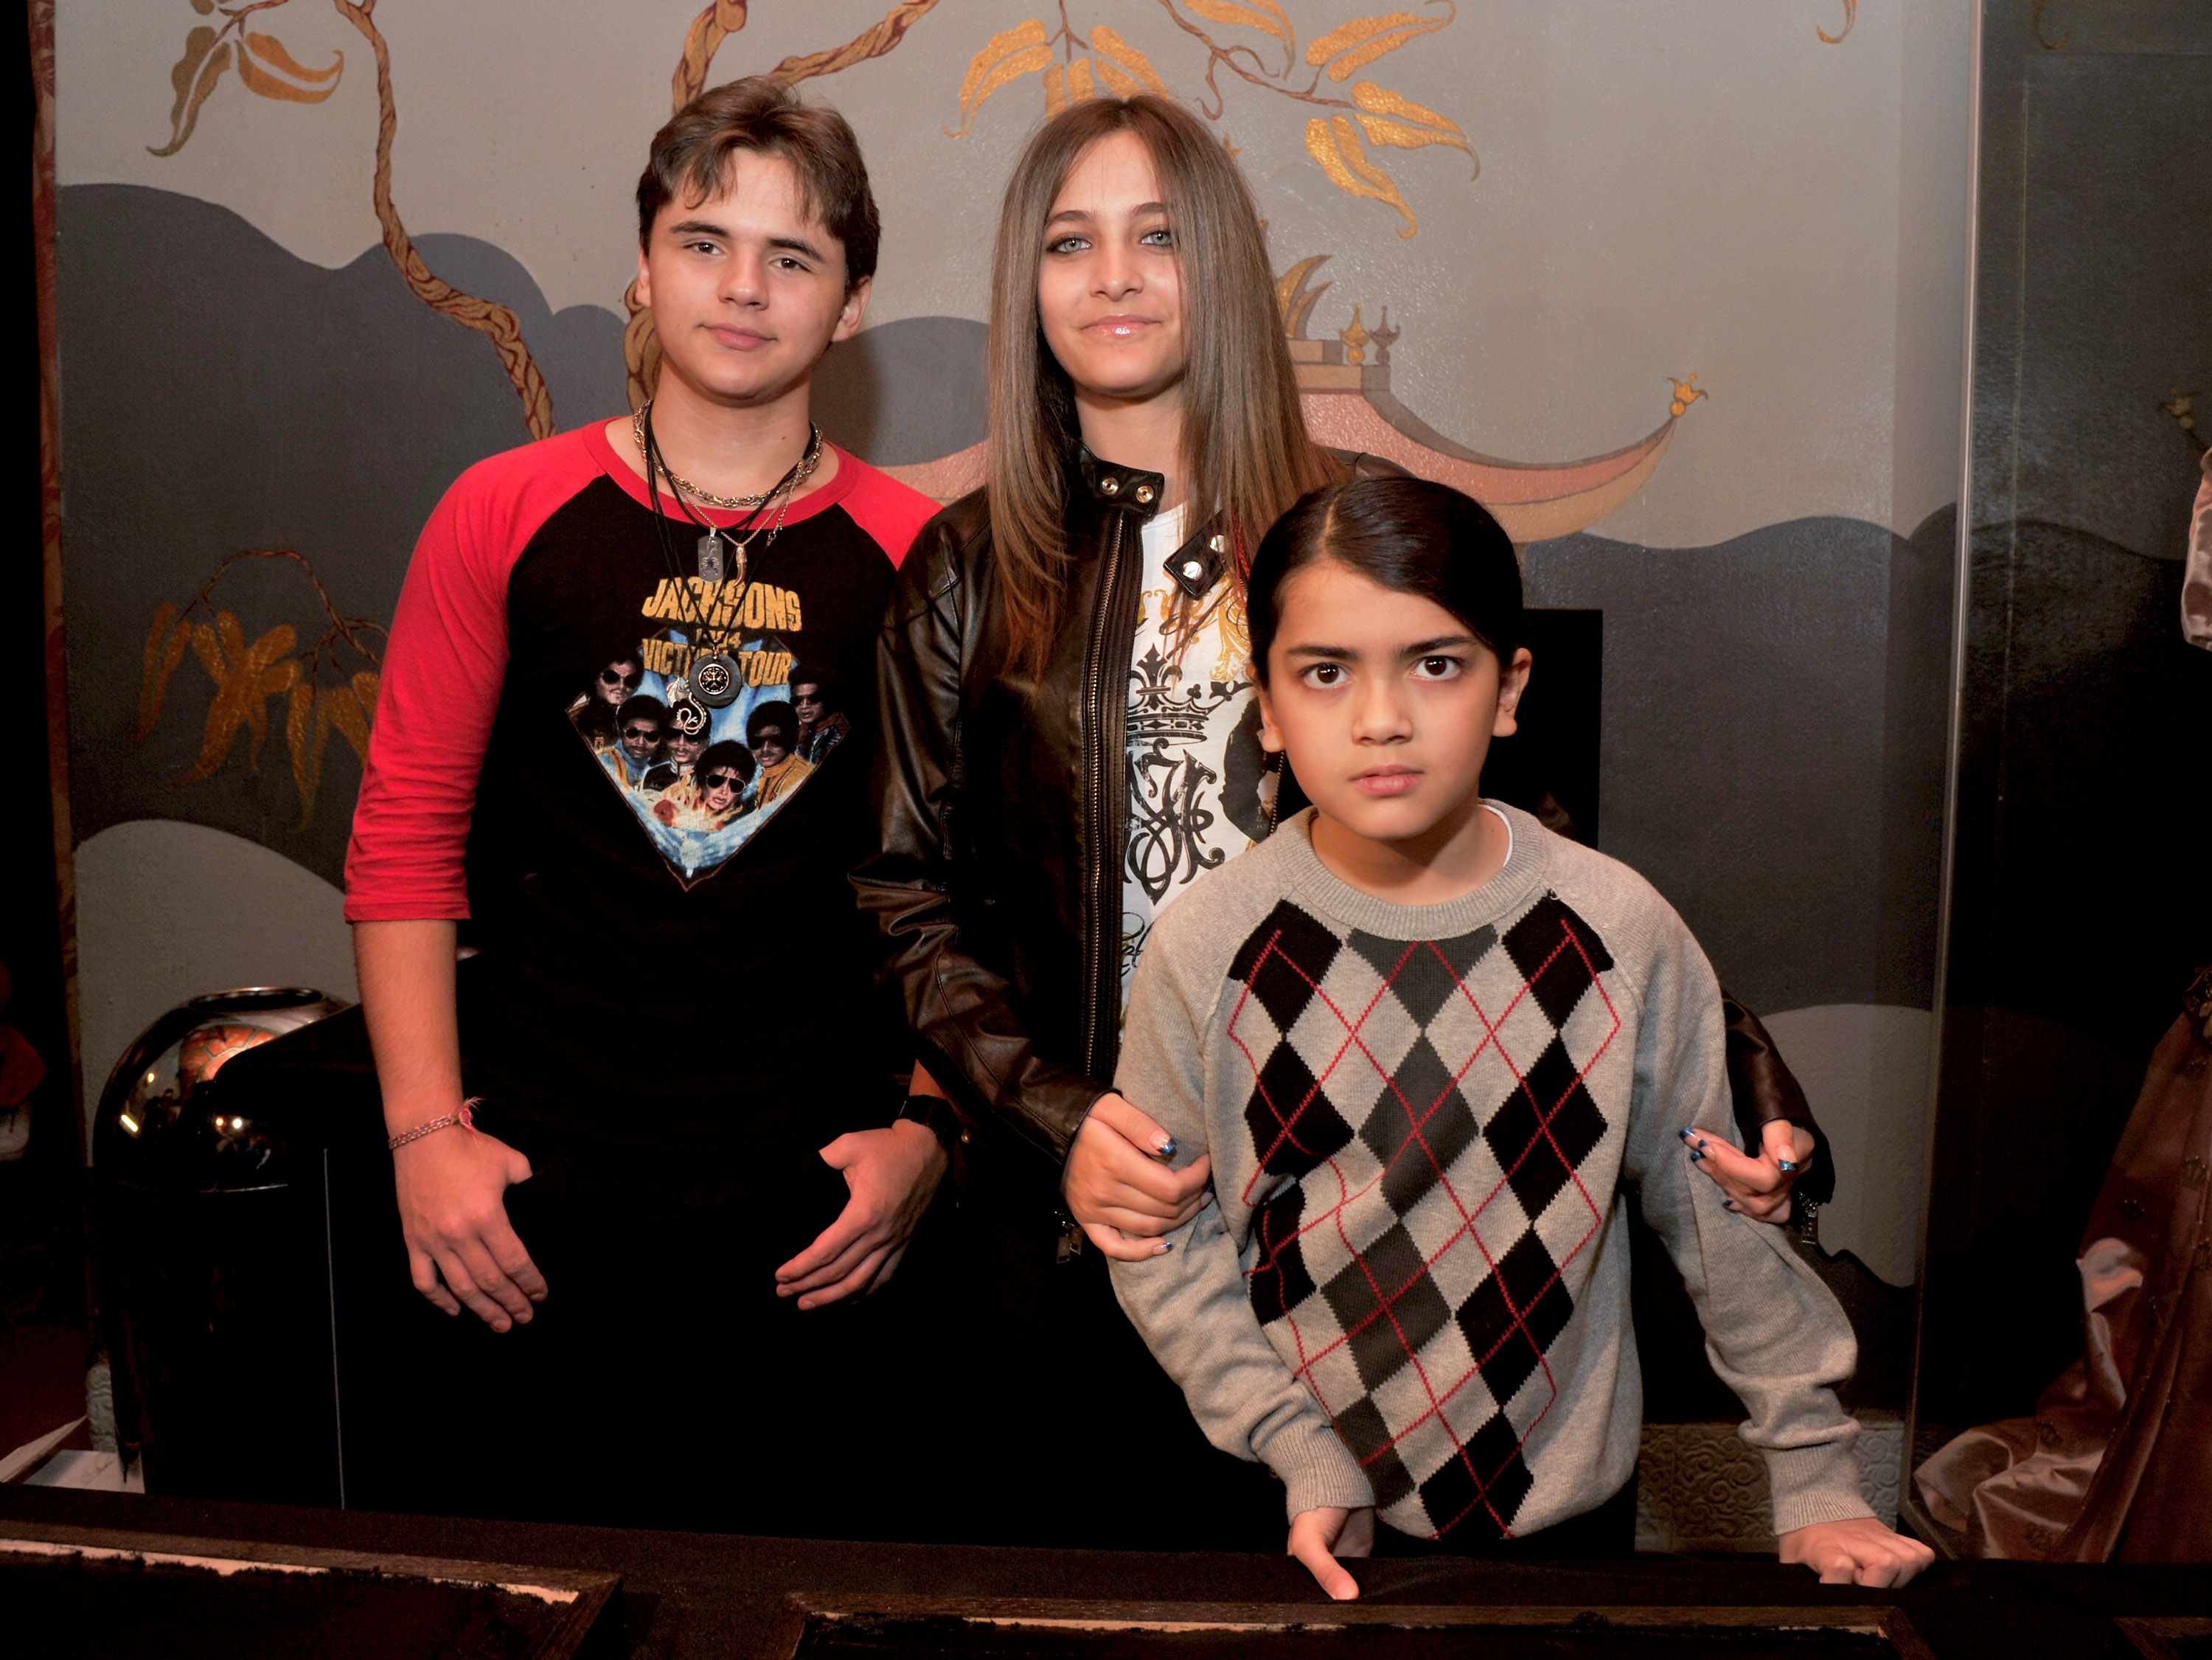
(1502, 895)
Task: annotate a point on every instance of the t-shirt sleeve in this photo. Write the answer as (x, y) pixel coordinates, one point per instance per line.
(891, 514)
(435, 701)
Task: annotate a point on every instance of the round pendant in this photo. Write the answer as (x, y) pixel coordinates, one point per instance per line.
(715, 681)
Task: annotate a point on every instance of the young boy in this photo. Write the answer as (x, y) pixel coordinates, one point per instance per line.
(1426, 1042)
(682, 1085)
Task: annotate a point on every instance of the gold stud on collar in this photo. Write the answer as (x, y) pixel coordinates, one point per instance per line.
(1145, 495)
(1110, 484)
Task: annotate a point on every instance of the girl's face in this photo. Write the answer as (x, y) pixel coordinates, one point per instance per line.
(1385, 704)
(1109, 290)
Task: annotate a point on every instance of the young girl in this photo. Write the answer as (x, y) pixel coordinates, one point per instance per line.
(1424, 1042)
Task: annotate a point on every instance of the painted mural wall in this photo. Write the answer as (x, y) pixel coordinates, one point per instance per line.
(1677, 289)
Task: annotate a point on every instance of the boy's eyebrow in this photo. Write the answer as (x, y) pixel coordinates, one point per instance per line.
(1346, 654)
(721, 233)
(1423, 647)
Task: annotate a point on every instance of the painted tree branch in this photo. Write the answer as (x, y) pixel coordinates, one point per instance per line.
(488, 318)
(870, 43)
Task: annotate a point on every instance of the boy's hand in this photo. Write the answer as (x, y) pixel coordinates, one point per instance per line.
(1318, 1537)
(1119, 1187)
(1859, 1552)
(452, 1213)
(892, 1174)
(1757, 1188)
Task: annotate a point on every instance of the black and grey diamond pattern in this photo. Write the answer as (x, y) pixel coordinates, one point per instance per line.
(1418, 1114)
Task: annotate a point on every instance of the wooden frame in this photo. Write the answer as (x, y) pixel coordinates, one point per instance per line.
(2150, 1634)
(584, 1595)
(1881, 1620)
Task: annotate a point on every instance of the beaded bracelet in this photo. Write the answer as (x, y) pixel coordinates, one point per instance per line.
(466, 1116)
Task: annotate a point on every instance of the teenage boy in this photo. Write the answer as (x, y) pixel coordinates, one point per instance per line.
(636, 1227)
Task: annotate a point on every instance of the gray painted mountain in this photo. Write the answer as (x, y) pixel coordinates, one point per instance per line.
(1773, 724)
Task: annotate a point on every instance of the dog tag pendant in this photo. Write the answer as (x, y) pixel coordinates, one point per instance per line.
(710, 557)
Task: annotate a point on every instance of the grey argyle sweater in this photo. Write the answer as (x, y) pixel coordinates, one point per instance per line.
(1413, 1290)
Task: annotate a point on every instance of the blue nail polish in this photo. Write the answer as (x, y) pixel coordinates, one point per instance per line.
(1166, 1245)
(1689, 1135)
(1697, 1158)
(1727, 1204)
(1789, 1169)
(1167, 1148)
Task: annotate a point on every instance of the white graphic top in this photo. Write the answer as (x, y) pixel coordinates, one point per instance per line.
(1195, 771)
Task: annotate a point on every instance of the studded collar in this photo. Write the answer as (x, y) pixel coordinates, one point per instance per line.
(1130, 489)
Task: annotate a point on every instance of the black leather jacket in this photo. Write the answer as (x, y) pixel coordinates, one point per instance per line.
(1003, 805)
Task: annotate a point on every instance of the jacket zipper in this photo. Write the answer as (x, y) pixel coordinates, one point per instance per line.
(1103, 956)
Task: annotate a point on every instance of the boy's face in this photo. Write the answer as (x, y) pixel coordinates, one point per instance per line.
(747, 289)
(1385, 704)
(772, 745)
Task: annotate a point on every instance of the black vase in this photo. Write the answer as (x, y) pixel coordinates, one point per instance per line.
(213, 1259)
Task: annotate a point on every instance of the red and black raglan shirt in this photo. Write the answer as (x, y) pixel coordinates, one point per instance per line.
(642, 791)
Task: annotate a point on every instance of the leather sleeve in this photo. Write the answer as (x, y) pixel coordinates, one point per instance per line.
(1763, 1090)
(961, 1011)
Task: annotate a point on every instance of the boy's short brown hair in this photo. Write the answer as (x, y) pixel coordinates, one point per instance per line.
(761, 114)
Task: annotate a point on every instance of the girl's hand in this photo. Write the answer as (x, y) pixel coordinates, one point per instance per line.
(1859, 1552)
(1318, 1537)
(1119, 1187)
(1757, 1188)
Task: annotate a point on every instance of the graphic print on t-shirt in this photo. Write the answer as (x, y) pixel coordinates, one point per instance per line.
(711, 723)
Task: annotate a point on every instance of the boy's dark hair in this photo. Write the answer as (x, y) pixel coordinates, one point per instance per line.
(691, 154)
(1405, 534)
(724, 752)
(645, 708)
(775, 713)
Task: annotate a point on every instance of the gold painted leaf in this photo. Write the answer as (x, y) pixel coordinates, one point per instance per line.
(165, 650)
(347, 709)
(1850, 17)
(194, 78)
(260, 80)
(1335, 144)
(1009, 56)
(1263, 14)
(246, 678)
(1126, 69)
(1055, 91)
(1294, 300)
(270, 50)
(297, 720)
(1391, 118)
(268, 69)
(1119, 80)
(1348, 50)
(1080, 86)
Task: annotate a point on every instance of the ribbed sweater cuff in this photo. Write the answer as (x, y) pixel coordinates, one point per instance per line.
(1317, 1470)
(1814, 1484)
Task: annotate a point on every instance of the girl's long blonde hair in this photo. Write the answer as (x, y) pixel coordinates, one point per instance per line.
(1246, 455)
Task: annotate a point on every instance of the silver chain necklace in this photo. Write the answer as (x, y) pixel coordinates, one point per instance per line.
(797, 482)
